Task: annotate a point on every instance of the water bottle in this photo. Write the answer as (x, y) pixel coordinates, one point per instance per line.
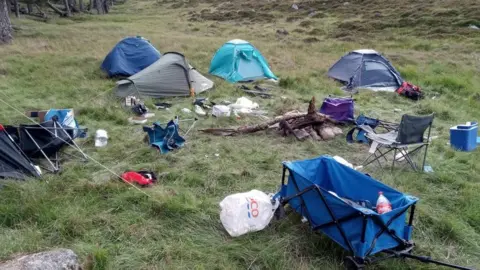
(383, 204)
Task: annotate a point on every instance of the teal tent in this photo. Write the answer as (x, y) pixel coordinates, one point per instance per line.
(239, 61)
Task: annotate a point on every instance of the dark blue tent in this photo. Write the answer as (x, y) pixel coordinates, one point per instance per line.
(366, 69)
(130, 56)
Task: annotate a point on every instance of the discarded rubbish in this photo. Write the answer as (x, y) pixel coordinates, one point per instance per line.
(137, 120)
(199, 110)
(397, 110)
(221, 111)
(162, 105)
(186, 110)
(428, 169)
(142, 178)
(101, 138)
(383, 204)
(251, 211)
(474, 27)
(343, 161)
(294, 6)
(244, 103)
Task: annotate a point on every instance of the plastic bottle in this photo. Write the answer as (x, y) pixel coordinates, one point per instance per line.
(383, 204)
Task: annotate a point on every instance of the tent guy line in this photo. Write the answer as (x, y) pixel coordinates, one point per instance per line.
(86, 155)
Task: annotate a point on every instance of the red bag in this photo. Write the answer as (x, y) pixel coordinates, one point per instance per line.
(410, 91)
(135, 177)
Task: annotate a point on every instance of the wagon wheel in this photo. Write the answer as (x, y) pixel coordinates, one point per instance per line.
(349, 263)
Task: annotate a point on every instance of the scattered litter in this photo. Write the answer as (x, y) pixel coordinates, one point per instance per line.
(101, 138)
(283, 97)
(428, 169)
(304, 219)
(474, 27)
(244, 103)
(221, 111)
(294, 6)
(202, 102)
(217, 154)
(142, 178)
(259, 91)
(165, 139)
(225, 102)
(137, 120)
(139, 109)
(149, 115)
(346, 3)
(434, 97)
(251, 211)
(162, 105)
(131, 101)
(397, 110)
(186, 110)
(199, 110)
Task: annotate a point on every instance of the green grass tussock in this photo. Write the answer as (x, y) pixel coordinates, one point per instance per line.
(175, 224)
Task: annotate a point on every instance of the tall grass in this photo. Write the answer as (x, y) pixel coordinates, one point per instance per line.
(113, 226)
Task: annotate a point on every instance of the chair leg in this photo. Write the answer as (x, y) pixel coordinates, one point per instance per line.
(425, 157)
(394, 158)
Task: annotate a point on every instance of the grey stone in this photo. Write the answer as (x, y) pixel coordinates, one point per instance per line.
(59, 259)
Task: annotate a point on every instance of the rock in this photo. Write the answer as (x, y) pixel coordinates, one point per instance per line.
(314, 135)
(346, 3)
(294, 6)
(59, 259)
(327, 133)
(337, 131)
(282, 32)
(301, 134)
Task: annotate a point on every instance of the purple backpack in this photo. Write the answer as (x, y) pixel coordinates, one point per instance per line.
(340, 109)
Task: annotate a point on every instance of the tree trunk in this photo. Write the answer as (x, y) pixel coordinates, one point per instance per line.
(17, 8)
(80, 5)
(5, 24)
(68, 13)
(73, 5)
(29, 8)
(92, 5)
(100, 7)
(9, 6)
(106, 7)
(61, 13)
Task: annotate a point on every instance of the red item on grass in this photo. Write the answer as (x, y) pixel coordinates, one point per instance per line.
(134, 177)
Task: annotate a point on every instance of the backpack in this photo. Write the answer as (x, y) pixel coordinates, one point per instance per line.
(410, 91)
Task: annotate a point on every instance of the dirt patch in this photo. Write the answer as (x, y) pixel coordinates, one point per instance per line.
(316, 32)
(241, 15)
(306, 24)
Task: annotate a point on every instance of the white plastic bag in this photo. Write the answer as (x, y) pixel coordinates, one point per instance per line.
(244, 103)
(247, 212)
(221, 110)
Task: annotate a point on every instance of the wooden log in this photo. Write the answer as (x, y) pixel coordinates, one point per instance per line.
(54, 8)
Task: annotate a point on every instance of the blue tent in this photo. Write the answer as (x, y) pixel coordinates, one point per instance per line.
(238, 60)
(129, 56)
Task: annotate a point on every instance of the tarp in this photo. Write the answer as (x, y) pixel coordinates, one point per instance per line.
(130, 56)
(366, 69)
(238, 60)
(331, 176)
(13, 163)
(170, 76)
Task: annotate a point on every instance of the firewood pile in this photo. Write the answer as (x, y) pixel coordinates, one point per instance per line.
(301, 125)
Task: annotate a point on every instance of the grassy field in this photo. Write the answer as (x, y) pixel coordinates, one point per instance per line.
(176, 225)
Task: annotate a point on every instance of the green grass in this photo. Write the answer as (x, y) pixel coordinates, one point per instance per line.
(113, 226)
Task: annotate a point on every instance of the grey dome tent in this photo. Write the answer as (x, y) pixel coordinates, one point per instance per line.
(170, 76)
(366, 69)
(13, 162)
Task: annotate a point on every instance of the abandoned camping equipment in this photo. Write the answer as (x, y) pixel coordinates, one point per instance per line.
(316, 189)
(141, 178)
(366, 69)
(167, 139)
(130, 56)
(239, 61)
(410, 134)
(13, 162)
(410, 91)
(170, 76)
(340, 109)
(363, 121)
(44, 141)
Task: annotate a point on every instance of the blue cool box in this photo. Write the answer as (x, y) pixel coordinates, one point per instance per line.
(463, 137)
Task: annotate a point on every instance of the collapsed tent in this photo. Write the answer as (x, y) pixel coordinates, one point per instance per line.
(170, 76)
(13, 162)
(129, 56)
(239, 61)
(366, 69)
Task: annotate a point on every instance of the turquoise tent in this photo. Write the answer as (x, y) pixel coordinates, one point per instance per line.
(238, 61)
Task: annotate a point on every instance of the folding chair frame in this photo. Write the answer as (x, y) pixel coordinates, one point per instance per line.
(403, 149)
(403, 250)
(55, 161)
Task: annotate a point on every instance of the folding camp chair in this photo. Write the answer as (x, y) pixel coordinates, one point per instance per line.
(409, 134)
(45, 141)
(167, 139)
(337, 200)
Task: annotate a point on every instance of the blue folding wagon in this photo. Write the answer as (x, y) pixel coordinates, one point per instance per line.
(337, 200)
